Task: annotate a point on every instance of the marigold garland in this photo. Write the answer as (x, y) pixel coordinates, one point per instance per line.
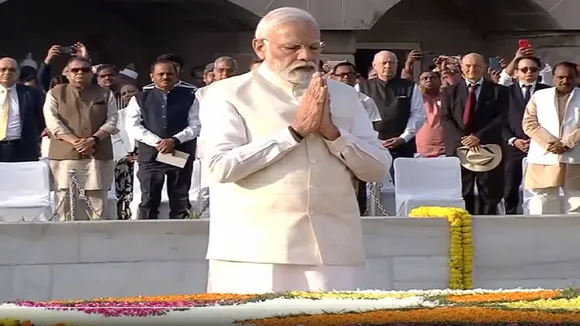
(460, 243)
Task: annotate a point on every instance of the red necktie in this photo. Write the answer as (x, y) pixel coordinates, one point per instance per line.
(470, 103)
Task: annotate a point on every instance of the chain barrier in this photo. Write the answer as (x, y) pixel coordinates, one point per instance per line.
(72, 194)
(375, 192)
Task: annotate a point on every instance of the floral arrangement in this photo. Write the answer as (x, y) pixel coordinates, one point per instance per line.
(460, 243)
(435, 307)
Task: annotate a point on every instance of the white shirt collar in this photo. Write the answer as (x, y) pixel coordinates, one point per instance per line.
(532, 84)
(479, 82)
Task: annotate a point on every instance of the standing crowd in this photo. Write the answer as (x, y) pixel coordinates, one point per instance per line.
(96, 120)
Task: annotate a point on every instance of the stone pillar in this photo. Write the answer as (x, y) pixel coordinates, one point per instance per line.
(339, 45)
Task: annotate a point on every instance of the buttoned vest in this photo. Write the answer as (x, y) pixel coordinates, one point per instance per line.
(393, 100)
(302, 208)
(83, 113)
(165, 114)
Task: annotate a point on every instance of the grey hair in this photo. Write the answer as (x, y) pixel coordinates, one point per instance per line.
(281, 16)
(226, 58)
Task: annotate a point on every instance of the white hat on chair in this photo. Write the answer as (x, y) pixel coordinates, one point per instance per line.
(486, 159)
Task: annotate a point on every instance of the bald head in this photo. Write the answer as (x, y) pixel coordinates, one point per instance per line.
(8, 72)
(385, 64)
(472, 66)
(473, 57)
(385, 55)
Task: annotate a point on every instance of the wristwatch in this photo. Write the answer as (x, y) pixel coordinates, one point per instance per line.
(96, 139)
(176, 141)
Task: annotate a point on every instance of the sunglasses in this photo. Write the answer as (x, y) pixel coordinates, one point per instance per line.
(530, 69)
(77, 70)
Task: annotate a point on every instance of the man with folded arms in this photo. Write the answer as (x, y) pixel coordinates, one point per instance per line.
(282, 145)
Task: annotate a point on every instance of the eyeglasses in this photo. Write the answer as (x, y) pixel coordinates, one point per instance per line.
(292, 48)
(530, 69)
(82, 69)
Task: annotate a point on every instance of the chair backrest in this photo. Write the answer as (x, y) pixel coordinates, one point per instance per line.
(428, 177)
(25, 184)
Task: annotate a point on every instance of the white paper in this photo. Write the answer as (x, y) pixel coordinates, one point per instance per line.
(176, 158)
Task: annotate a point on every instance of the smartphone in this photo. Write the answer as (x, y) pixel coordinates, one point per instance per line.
(494, 64)
(524, 44)
(66, 50)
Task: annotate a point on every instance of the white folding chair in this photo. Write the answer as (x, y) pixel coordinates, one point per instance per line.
(25, 191)
(427, 182)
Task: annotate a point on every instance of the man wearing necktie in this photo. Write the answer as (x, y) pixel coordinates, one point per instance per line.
(516, 142)
(21, 118)
(472, 114)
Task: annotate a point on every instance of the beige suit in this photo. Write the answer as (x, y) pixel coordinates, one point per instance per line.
(286, 208)
(548, 118)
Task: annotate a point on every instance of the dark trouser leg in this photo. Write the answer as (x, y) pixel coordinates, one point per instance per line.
(513, 180)
(178, 184)
(151, 177)
(491, 187)
(12, 151)
(361, 196)
(467, 184)
(407, 150)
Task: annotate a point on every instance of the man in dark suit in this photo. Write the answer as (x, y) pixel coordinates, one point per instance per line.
(472, 113)
(516, 142)
(21, 118)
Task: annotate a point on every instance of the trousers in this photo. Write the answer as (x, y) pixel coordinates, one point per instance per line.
(224, 277)
(97, 198)
(151, 179)
(547, 201)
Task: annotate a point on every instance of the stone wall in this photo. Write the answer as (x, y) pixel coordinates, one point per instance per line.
(40, 261)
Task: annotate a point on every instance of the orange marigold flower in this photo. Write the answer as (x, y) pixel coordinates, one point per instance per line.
(504, 296)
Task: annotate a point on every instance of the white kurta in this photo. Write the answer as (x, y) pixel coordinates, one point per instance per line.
(282, 211)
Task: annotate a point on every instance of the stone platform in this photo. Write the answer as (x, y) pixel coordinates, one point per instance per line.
(73, 260)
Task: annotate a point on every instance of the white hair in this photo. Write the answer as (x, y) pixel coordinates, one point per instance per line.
(226, 58)
(281, 16)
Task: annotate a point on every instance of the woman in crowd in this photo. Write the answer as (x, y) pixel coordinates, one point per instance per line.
(125, 156)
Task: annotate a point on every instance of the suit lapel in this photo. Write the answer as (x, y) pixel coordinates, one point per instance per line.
(517, 93)
(22, 99)
(485, 93)
(461, 99)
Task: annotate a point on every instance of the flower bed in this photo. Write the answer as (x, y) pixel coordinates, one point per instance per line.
(403, 308)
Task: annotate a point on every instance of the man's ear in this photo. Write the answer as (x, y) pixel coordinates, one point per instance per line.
(259, 48)
(151, 75)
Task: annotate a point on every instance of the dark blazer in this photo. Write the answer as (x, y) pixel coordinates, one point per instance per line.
(30, 103)
(513, 123)
(487, 120)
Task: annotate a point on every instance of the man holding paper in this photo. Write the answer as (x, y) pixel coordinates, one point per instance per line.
(164, 122)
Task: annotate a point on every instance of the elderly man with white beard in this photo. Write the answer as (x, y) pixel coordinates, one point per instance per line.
(282, 146)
